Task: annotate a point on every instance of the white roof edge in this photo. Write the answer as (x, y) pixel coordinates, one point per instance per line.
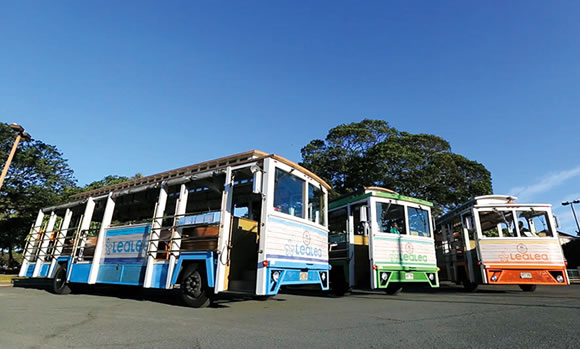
(495, 196)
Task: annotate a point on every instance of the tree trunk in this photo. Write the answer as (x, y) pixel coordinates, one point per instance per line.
(10, 258)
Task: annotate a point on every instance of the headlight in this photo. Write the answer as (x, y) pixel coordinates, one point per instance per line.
(384, 276)
(431, 277)
(275, 275)
(560, 278)
(323, 276)
(494, 278)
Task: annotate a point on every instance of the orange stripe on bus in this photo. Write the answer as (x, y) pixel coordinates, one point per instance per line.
(520, 266)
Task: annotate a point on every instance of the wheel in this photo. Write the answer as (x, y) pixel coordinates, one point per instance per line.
(393, 289)
(194, 291)
(528, 288)
(338, 284)
(469, 286)
(59, 285)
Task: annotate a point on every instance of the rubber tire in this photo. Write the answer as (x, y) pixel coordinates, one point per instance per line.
(194, 291)
(59, 284)
(393, 289)
(338, 284)
(528, 288)
(469, 286)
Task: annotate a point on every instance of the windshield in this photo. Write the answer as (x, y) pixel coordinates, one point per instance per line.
(288, 193)
(391, 218)
(418, 222)
(502, 223)
(315, 205)
(497, 224)
(534, 224)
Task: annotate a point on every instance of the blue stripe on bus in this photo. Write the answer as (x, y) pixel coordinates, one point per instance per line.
(159, 275)
(299, 225)
(124, 260)
(80, 273)
(296, 265)
(127, 231)
(44, 270)
(30, 270)
(296, 258)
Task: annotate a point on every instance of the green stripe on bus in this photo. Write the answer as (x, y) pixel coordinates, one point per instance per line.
(404, 240)
(405, 265)
(378, 194)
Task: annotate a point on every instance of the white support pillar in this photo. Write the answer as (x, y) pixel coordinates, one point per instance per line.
(107, 218)
(85, 225)
(59, 242)
(351, 246)
(43, 245)
(268, 181)
(32, 238)
(223, 265)
(180, 208)
(153, 244)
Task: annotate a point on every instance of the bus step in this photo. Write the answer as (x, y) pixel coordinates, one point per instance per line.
(249, 275)
(242, 285)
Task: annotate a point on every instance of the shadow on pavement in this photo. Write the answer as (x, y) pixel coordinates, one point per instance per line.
(529, 299)
(168, 297)
(36, 283)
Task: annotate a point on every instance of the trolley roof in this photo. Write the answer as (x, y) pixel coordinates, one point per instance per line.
(488, 201)
(211, 165)
(376, 192)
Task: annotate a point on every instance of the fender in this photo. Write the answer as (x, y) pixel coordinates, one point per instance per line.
(207, 257)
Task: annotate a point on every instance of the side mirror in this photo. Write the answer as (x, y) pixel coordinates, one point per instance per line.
(257, 182)
(363, 214)
(557, 222)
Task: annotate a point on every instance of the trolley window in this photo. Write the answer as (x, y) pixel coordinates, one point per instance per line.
(315, 205)
(497, 223)
(337, 221)
(534, 224)
(288, 194)
(391, 218)
(418, 222)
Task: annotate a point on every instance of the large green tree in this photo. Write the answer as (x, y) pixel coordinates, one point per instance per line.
(38, 177)
(371, 152)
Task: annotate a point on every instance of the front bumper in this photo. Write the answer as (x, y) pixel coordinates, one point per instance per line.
(386, 276)
(526, 276)
(281, 276)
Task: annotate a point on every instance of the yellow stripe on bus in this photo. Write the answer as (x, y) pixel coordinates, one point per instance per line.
(515, 241)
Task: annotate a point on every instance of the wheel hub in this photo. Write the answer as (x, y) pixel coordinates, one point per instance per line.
(193, 285)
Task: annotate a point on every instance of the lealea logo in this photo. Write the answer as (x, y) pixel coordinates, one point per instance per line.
(124, 246)
(306, 238)
(408, 255)
(522, 255)
(295, 249)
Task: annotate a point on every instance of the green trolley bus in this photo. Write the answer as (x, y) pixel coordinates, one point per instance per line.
(382, 240)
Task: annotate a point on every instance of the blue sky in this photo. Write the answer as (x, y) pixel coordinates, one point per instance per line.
(147, 86)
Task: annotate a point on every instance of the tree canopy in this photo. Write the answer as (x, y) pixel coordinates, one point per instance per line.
(372, 153)
(38, 177)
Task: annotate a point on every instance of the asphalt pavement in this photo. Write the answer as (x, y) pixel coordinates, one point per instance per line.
(106, 317)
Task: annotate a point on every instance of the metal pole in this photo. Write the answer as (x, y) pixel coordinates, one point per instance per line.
(7, 164)
(575, 218)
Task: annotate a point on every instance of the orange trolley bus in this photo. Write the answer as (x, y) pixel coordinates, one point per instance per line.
(493, 240)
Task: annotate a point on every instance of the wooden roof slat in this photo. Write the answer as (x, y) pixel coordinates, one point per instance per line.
(196, 168)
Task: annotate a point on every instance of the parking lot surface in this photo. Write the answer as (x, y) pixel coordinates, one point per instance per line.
(493, 317)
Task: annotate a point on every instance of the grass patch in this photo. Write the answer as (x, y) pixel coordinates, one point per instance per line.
(7, 279)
